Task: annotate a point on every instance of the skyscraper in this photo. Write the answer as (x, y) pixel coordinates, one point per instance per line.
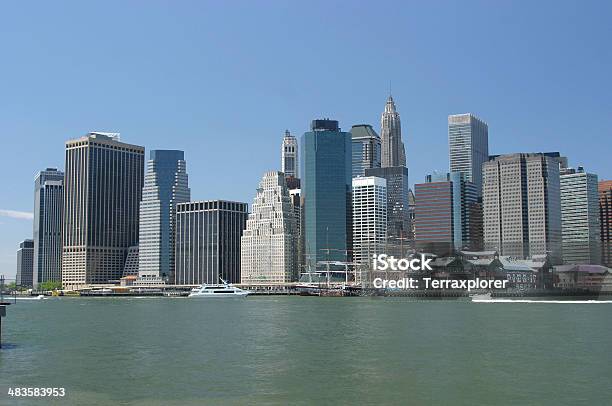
(269, 251)
(208, 241)
(468, 141)
(165, 185)
(366, 149)
(398, 210)
(102, 193)
(48, 217)
(25, 264)
(446, 214)
(521, 203)
(580, 228)
(289, 156)
(326, 188)
(369, 218)
(392, 147)
(605, 218)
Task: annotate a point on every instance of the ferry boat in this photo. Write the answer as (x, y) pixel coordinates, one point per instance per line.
(219, 290)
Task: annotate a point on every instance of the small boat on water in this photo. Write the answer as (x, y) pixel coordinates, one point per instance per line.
(39, 297)
(218, 291)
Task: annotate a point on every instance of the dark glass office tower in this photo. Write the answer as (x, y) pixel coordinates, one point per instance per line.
(102, 193)
(366, 149)
(48, 217)
(326, 189)
(25, 264)
(208, 241)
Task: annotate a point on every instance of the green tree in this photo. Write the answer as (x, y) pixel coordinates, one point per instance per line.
(50, 285)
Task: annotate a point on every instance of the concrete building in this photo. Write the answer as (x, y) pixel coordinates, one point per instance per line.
(289, 156)
(102, 193)
(580, 227)
(269, 251)
(369, 218)
(208, 241)
(366, 149)
(605, 219)
(326, 189)
(447, 214)
(468, 142)
(165, 185)
(25, 264)
(392, 147)
(521, 204)
(48, 219)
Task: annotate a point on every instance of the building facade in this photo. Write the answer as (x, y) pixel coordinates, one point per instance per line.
(25, 264)
(102, 193)
(468, 142)
(392, 146)
(580, 227)
(48, 218)
(289, 156)
(522, 207)
(326, 189)
(447, 214)
(369, 218)
(165, 185)
(398, 210)
(269, 251)
(208, 241)
(605, 220)
(366, 150)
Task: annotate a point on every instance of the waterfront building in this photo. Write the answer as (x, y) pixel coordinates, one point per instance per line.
(392, 147)
(25, 264)
(398, 215)
(605, 220)
(269, 251)
(447, 214)
(366, 149)
(326, 188)
(468, 142)
(102, 193)
(131, 262)
(48, 218)
(580, 227)
(208, 241)
(369, 218)
(165, 185)
(521, 204)
(289, 156)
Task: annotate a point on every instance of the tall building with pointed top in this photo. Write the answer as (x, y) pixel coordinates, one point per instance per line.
(289, 155)
(392, 147)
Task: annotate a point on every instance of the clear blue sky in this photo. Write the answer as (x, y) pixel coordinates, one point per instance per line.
(223, 81)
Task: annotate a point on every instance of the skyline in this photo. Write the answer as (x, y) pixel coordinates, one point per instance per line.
(179, 79)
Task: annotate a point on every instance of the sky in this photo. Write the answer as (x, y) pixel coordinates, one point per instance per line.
(223, 80)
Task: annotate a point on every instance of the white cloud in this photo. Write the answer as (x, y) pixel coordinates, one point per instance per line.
(22, 215)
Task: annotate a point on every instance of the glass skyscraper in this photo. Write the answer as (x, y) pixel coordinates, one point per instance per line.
(468, 142)
(48, 210)
(165, 185)
(366, 149)
(326, 188)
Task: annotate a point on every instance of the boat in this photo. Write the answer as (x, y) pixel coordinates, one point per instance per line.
(38, 297)
(217, 291)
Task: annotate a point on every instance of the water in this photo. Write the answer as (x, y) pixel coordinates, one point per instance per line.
(307, 350)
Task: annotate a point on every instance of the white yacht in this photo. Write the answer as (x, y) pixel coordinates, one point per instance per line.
(220, 290)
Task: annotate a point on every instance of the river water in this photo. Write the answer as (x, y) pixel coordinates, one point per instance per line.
(306, 350)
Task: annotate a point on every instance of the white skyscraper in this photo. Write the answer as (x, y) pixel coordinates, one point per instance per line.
(289, 155)
(392, 147)
(369, 217)
(468, 142)
(269, 243)
(165, 185)
(580, 226)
